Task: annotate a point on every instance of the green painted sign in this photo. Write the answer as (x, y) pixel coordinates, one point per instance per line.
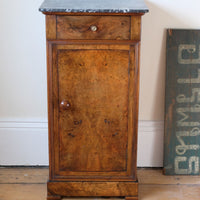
(182, 106)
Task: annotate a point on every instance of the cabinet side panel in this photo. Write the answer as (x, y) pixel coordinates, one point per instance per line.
(50, 34)
(50, 107)
(133, 111)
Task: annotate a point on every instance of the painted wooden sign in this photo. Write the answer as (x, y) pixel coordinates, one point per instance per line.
(182, 107)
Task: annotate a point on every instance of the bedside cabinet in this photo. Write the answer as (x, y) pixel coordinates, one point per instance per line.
(93, 52)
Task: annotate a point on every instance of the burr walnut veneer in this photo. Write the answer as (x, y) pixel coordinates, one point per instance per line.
(93, 85)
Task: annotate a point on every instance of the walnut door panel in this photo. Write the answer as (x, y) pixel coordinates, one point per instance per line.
(93, 27)
(91, 123)
(92, 128)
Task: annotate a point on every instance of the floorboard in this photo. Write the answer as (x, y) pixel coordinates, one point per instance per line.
(30, 184)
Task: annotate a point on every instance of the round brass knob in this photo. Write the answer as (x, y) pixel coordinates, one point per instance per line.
(93, 28)
(65, 104)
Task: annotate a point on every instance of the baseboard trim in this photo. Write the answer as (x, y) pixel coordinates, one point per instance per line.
(26, 143)
(143, 126)
(150, 144)
(23, 124)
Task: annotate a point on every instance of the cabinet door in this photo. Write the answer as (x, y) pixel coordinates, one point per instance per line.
(93, 108)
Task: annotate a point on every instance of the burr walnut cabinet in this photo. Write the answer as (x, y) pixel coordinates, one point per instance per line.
(93, 86)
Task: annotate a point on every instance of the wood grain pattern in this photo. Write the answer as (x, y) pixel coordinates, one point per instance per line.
(39, 175)
(156, 177)
(79, 27)
(169, 192)
(133, 110)
(50, 107)
(50, 27)
(131, 198)
(94, 189)
(93, 127)
(30, 183)
(93, 90)
(23, 191)
(53, 197)
(79, 127)
(23, 175)
(136, 28)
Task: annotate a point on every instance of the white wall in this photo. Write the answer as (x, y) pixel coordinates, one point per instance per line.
(23, 105)
(22, 61)
(163, 14)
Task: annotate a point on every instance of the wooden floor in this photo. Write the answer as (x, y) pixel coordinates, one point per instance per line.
(30, 184)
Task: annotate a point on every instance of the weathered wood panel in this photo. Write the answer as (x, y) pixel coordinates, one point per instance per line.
(182, 111)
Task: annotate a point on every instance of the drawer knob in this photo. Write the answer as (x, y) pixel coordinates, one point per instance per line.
(65, 104)
(93, 28)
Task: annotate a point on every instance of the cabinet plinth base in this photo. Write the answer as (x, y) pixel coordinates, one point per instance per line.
(128, 189)
(53, 197)
(132, 198)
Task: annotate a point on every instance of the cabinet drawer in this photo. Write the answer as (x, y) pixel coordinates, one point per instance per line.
(93, 27)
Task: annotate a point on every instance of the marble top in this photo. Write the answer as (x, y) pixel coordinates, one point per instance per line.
(94, 6)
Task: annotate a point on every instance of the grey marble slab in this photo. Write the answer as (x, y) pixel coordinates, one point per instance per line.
(94, 6)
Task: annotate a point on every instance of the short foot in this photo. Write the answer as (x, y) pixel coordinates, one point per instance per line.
(131, 198)
(52, 197)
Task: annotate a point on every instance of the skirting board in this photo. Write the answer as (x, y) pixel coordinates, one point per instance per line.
(26, 143)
